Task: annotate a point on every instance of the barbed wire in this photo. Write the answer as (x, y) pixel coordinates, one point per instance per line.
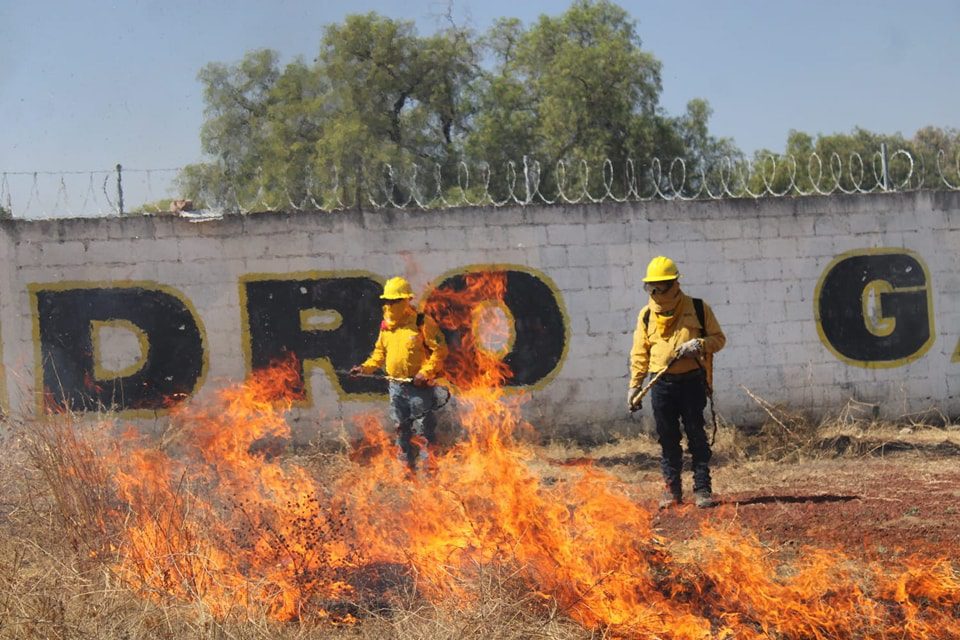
(80, 193)
(523, 183)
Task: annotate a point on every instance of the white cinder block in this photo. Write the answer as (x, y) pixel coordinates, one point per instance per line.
(779, 248)
(200, 248)
(756, 262)
(606, 233)
(553, 257)
(567, 234)
(586, 256)
(71, 252)
(526, 236)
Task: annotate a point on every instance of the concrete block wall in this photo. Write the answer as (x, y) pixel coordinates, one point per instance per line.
(758, 263)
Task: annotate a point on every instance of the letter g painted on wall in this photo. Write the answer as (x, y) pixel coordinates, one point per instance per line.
(874, 309)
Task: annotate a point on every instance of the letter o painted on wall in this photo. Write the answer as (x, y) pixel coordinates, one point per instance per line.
(539, 335)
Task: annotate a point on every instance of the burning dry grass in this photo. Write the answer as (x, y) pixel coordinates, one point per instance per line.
(498, 543)
(205, 533)
(63, 575)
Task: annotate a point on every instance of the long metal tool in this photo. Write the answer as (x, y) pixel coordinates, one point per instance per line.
(381, 376)
(646, 388)
(374, 376)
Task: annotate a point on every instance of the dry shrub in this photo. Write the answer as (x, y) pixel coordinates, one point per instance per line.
(784, 436)
(792, 435)
(502, 608)
(61, 453)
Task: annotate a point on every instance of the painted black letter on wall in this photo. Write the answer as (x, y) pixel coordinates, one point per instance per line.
(276, 312)
(169, 373)
(898, 331)
(540, 332)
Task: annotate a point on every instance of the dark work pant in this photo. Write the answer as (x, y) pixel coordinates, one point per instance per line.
(412, 410)
(677, 398)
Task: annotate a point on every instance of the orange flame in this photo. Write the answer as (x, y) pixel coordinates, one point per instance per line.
(221, 522)
(470, 366)
(215, 518)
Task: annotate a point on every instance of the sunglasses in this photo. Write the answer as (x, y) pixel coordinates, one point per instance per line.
(657, 287)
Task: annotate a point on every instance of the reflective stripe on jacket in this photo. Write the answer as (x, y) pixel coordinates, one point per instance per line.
(652, 351)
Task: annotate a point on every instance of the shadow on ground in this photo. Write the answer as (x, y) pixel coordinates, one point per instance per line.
(817, 499)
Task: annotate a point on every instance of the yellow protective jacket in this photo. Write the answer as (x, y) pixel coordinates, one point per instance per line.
(651, 350)
(408, 348)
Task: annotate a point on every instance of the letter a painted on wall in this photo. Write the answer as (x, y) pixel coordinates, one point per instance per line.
(874, 309)
(169, 362)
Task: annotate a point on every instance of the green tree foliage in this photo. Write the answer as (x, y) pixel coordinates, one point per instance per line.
(704, 156)
(395, 98)
(236, 129)
(576, 88)
(582, 78)
(376, 94)
(852, 161)
(938, 153)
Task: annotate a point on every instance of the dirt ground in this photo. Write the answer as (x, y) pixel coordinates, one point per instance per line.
(876, 497)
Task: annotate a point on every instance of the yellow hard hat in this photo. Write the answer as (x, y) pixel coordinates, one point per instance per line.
(396, 289)
(661, 269)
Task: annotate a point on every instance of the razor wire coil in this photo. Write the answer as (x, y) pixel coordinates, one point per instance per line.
(423, 185)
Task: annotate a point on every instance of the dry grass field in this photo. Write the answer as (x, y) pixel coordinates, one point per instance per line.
(872, 508)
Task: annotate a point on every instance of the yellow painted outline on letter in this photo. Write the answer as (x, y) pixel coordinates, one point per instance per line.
(34, 288)
(873, 364)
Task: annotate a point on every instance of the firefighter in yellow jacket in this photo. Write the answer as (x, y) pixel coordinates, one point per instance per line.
(680, 334)
(410, 349)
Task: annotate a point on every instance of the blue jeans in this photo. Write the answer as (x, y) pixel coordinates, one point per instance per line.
(411, 408)
(675, 398)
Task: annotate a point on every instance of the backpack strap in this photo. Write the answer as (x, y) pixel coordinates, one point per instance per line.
(423, 338)
(708, 361)
(707, 358)
(701, 314)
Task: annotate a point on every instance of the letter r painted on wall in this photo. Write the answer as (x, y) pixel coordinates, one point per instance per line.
(115, 345)
(873, 308)
(323, 319)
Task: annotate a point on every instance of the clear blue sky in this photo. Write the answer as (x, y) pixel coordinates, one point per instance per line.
(87, 84)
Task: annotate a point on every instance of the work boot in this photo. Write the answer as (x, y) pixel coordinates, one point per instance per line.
(671, 495)
(703, 498)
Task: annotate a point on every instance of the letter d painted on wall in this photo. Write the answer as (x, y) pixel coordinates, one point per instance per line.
(115, 345)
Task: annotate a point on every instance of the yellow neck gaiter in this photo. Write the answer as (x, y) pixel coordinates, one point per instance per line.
(396, 313)
(664, 307)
